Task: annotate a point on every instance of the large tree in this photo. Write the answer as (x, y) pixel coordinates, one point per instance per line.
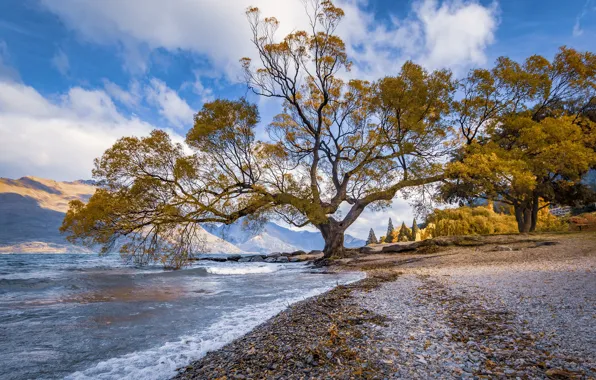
(350, 144)
(528, 133)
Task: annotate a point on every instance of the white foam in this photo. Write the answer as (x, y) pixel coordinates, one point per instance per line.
(243, 269)
(162, 362)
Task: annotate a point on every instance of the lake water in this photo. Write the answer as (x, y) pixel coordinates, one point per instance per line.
(88, 317)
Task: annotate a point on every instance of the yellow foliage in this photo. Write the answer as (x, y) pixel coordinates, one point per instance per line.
(482, 220)
(549, 222)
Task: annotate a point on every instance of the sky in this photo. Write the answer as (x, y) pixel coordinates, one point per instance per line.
(77, 75)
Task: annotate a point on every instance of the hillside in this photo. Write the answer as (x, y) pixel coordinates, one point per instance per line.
(32, 210)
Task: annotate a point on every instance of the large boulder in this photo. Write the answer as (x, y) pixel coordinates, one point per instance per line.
(282, 259)
(234, 257)
(316, 252)
(245, 259)
(257, 259)
(295, 253)
(271, 259)
(213, 258)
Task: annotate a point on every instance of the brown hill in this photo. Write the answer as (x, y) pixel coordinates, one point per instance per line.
(32, 209)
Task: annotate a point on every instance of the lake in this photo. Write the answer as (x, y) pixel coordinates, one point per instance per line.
(80, 316)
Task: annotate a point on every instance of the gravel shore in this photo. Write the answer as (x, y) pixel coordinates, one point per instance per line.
(527, 312)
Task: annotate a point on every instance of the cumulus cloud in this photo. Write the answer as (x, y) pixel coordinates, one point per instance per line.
(130, 97)
(456, 33)
(169, 104)
(60, 62)
(450, 33)
(58, 138)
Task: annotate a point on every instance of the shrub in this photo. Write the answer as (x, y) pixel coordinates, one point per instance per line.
(482, 220)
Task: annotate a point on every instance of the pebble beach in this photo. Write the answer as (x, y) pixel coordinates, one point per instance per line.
(525, 311)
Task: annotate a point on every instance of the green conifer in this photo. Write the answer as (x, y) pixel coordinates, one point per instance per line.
(372, 239)
(389, 234)
(404, 233)
(415, 230)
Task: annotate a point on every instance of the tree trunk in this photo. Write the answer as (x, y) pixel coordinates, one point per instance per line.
(535, 206)
(523, 215)
(334, 239)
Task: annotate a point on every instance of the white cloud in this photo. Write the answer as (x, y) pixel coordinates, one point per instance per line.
(6, 70)
(171, 106)
(59, 139)
(204, 93)
(400, 211)
(130, 97)
(577, 27)
(451, 33)
(456, 33)
(61, 63)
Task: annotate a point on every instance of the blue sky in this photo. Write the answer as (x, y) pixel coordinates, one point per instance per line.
(76, 75)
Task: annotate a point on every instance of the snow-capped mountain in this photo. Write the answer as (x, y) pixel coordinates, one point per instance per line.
(265, 243)
(274, 238)
(214, 244)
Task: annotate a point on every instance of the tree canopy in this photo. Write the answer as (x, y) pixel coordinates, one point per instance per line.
(528, 133)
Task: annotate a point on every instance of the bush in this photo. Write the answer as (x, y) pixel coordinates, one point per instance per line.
(482, 220)
(587, 221)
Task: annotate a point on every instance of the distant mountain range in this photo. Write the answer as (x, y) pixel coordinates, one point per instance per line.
(274, 238)
(590, 179)
(32, 209)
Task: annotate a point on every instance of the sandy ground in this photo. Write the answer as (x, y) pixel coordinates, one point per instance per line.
(511, 308)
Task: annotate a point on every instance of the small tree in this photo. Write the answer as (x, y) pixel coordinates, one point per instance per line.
(415, 230)
(389, 234)
(372, 239)
(404, 233)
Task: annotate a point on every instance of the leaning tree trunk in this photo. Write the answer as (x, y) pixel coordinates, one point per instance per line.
(334, 239)
(535, 207)
(523, 215)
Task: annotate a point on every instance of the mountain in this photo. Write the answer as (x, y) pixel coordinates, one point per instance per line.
(274, 238)
(32, 210)
(590, 179)
(265, 243)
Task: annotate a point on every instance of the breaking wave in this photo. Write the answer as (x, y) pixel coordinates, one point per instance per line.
(162, 362)
(243, 269)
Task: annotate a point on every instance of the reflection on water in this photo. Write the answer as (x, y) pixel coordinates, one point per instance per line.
(81, 316)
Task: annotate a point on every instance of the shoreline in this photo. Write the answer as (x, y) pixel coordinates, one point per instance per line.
(447, 314)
